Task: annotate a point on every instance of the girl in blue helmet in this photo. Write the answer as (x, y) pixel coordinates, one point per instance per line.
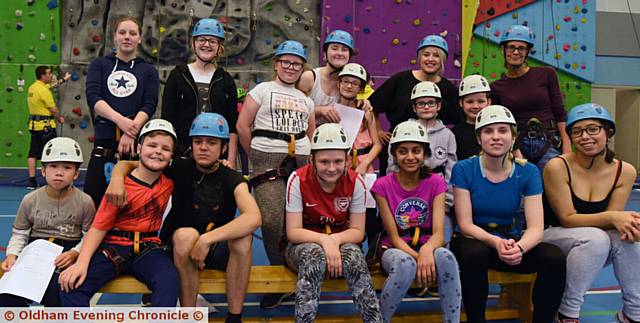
(202, 86)
(587, 191)
(274, 127)
(533, 94)
(393, 97)
(321, 83)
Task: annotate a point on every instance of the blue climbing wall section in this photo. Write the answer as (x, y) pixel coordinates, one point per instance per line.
(564, 29)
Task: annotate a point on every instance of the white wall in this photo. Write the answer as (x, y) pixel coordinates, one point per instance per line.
(618, 5)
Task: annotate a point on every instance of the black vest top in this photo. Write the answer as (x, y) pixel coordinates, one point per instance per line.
(581, 206)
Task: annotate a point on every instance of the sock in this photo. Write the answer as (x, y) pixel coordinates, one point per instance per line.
(233, 318)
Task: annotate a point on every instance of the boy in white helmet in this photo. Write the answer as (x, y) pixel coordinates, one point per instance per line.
(125, 240)
(426, 100)
(57, 212)
(474, 95)
(325, 219)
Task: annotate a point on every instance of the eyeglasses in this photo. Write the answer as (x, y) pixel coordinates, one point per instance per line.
(422, 104)
(289, 64)
(350, 83)
(521, 49)
(591, 130)
(211, 41)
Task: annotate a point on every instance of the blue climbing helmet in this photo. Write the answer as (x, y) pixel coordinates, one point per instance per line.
(518, 33)
(434, 40)
(339, 37)
(209, 124)
(589, 111)
(291, 47)
(208, 27)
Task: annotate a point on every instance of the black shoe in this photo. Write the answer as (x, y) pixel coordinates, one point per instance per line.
(33, 184)
(145, 301)
(274, 299)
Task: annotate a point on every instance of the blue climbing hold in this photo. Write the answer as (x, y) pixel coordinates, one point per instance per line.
(74, 77)
(52, 4)
(347, 18)
(82, 124)
(366, 30)
(94, 22)
(53, 47)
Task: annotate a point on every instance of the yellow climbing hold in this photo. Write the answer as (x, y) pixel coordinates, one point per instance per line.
(575, 46)
(398, 1)
(384, 61)
(576, 9)
(416, 22)
(395, 41)
(583, 20)
(154, 51)
(413, 61)
(558, 56)
(558, 27)
(162, 30)
(575, 66)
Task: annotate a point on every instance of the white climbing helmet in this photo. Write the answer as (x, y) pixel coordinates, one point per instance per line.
(329, 136)
(62, 149)
(425, 89)
(410, 130)
(494, 114)
(355, 70)
(158, 124)
(473, 84)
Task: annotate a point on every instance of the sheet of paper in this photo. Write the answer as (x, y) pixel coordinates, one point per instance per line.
(369, 179)
(350, 120)
(30, 275)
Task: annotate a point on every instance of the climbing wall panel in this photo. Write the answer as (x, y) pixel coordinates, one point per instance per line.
(485, 58)
(388, 32)
(564, 30)
(488, 9)
(30, 36)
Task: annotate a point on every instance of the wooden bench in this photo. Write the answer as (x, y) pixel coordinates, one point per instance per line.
(514, 301)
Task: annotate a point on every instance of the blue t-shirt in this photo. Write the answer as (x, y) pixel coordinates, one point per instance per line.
(496, 202)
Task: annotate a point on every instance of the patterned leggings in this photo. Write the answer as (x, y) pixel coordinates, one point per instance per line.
(401, 268)
(309, 260)
(270, 197)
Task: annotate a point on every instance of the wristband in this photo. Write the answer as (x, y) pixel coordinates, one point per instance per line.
(520, 247)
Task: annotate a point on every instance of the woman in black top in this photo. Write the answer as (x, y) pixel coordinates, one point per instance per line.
(587, 191)
(393, 97)
(201, 86)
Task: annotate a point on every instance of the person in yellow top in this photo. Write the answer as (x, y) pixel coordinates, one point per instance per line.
(42, 118)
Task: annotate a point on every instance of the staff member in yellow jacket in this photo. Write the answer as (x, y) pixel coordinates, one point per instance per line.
(43, 114)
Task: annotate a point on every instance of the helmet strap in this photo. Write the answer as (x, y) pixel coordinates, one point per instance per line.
(287, 83)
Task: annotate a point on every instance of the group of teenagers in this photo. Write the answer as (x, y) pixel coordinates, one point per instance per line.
(491, 161)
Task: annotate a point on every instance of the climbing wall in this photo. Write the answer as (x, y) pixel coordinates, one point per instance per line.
(29, 36)
(254, 29)
(564, 39)
(388, 32)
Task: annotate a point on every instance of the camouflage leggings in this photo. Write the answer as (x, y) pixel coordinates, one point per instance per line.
(270, 197)
(309, 260)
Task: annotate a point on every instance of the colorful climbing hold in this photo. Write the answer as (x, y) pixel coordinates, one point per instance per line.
(366, 30)
(567, 19)
(384, 61)
(18, 13)
(395, 41)
(76, 51)
(43, 36)
(347, 19)
(96, 38)
(162, 29)
(52, 4)
(413, 61)
(417, 22)
(19, 25)
(53, 48)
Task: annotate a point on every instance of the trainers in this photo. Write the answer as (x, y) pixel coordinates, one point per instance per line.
(622, 318)
(565, 320)
(33, 184)
(273, 300)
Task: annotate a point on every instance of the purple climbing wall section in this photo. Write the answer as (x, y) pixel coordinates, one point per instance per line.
(387, 32)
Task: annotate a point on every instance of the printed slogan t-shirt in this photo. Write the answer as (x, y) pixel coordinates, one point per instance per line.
(281, 109)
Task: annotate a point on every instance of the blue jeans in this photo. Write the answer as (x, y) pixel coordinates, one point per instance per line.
(588, 250)
(402, 268)
(531, 147)
(155, 269)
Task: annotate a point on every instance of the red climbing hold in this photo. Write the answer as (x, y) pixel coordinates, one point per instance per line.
(96, 38)
(77, 111)
(76, 51)
(91, 138)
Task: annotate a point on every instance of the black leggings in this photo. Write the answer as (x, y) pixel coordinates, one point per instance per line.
(475, 258)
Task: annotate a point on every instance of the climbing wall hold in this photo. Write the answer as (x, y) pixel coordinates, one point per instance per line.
(52, 4)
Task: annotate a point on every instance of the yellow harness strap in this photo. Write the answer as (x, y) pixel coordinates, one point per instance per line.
(327, 229)
(209, 226)
(136, 242)
(354, 157)
(416, 237)
(292, 146)
(118, 134)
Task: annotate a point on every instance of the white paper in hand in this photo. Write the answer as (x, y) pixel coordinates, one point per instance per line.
(350, 120)
(369, 179)
(30, 275)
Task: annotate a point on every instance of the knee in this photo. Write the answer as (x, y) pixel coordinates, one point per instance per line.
(401, 264)
(312, 254)
(240, 247)
(596, 240)
(552, 258)
(183, 241)
(444, 258)
(473, 253)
